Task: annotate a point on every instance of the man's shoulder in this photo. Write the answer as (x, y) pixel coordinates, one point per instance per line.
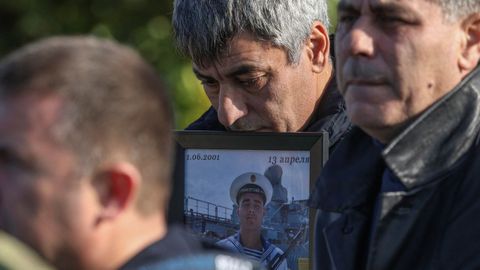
(207, 261)
(16, 255)
(331, 116)
(229, 243)
(270, 246)
(208, 121)
(223, 242)
(337, 186)
(187, 252)
(177, 242)
(277, 250)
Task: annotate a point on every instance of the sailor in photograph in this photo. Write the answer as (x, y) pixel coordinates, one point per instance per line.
(251, 192)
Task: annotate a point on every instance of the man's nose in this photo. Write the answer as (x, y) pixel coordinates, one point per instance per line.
(362, 42)
(231, 105)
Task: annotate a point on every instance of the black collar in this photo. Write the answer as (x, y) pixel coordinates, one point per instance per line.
(439, 138)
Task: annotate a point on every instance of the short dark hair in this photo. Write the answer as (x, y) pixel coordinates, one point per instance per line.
(115, 104)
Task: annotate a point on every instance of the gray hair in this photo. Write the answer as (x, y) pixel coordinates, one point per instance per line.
(203, 28)
(455, 9)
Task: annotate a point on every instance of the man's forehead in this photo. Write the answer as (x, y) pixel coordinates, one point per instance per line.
(245, 42)
(28, 129)
(410, 8)
(249, 196)
(250, 59)
(373, 2)
(30, 116)
(376, 3)
(241, 52)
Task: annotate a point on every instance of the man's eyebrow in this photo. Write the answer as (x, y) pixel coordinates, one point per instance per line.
(242, 69)
(7, 154)
(389, 8)
(200, 75)
(376, 8)
(10, 156)
(236, 71)
(258, 201)
(245, 200)
(346, 7)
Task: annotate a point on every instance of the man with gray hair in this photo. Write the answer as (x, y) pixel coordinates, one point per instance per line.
(264, 65)
(402, 190)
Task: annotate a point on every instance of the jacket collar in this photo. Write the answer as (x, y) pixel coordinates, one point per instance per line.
(350, 176)
(426, 149)
(330, 115)
(439, 138)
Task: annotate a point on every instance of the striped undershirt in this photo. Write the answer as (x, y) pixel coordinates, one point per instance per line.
(253, 254)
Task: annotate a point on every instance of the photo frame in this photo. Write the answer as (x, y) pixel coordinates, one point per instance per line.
(208, 162)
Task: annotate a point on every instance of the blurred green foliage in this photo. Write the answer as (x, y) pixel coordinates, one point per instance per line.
(142, 24)
(332, 14)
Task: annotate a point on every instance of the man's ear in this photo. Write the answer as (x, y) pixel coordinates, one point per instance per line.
(471, 49)
(318, 46)
(116, 185)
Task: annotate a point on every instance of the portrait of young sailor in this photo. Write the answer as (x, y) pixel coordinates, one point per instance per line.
(251, 192)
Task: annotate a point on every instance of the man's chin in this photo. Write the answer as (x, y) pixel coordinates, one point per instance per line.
(249, 127)
(261, 129)
(252, 224)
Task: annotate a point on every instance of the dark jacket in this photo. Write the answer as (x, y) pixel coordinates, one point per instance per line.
(180, 250)
(177, 242)
(330, 116)
(434, 223)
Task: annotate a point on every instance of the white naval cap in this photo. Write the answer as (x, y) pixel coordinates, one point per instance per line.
(251, 182)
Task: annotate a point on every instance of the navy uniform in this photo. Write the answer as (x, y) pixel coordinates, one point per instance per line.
(253, 183)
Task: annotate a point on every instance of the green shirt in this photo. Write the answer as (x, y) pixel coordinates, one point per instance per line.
(16, 256)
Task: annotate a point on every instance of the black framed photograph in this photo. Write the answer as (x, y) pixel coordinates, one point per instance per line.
(219, 175)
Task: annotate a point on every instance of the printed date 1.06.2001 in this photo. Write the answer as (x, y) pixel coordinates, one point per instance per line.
(199, 156)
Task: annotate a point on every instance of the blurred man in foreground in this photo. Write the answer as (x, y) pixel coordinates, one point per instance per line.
(402, 190)
(86, 157)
